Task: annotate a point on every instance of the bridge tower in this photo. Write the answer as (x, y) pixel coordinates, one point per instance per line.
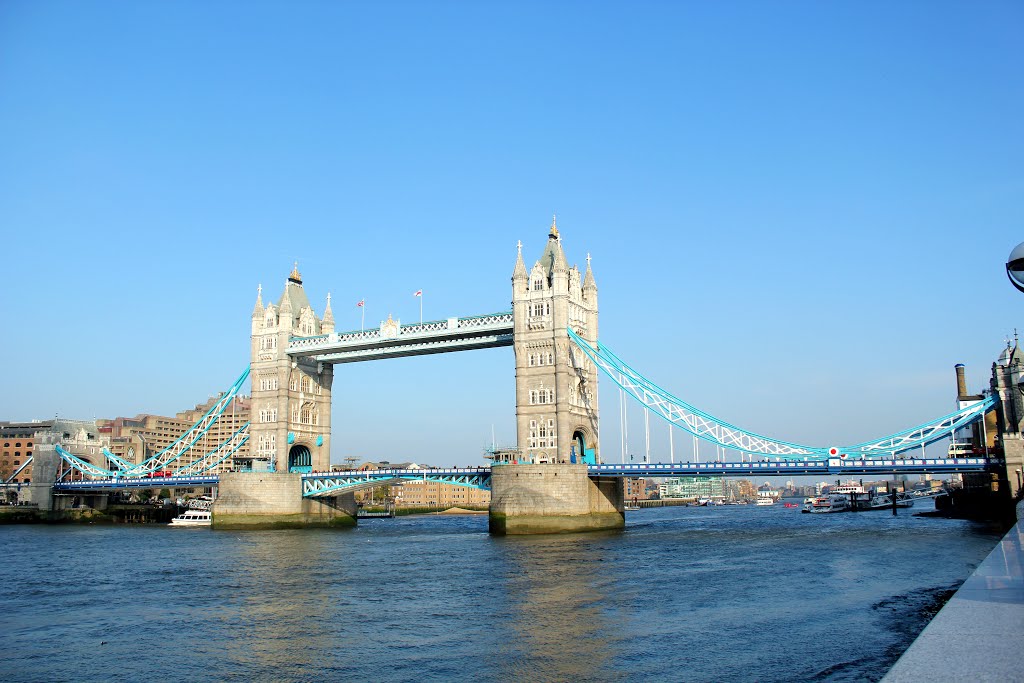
(550, 490)
(556, 384)
(1008, 385)
(291, 397)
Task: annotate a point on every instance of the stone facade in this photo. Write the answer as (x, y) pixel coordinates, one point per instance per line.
(273, 500)
(291, 397)
(553, 498)
(18, 439)
(1007, 377)
(556, 384)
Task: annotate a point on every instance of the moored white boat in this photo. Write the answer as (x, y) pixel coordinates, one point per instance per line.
(193, 518)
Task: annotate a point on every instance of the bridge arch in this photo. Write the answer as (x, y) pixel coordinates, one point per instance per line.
(300, 459)
(584, 445)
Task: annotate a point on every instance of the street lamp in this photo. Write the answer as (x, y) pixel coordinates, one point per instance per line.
(1015, 267)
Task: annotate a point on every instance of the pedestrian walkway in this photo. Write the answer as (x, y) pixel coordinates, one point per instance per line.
(977, 635)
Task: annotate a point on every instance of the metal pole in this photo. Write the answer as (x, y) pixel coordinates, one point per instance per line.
(671, 446)
(622, 432)
(626, 432)
(647, 435)
(893, 495)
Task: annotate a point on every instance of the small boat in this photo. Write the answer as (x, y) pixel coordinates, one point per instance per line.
(884, 502)
(632, 507)
(193, 518)
(790, 505)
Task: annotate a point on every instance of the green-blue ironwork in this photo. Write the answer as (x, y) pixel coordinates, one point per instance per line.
(708, 427)
(333, 483)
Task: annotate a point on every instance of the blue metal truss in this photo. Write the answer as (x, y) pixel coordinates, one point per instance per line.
(222, 452)
(320, 484)
(183, 443)
(708, 427)
(18, 471)
(177, 449)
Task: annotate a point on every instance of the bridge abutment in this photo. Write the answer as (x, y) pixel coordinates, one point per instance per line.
(553, 498)
(273, 500)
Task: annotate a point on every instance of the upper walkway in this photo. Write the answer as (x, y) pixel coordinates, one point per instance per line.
(392, 340)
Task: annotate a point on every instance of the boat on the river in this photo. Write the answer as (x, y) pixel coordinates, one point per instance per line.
(193, 518)
(835, 502)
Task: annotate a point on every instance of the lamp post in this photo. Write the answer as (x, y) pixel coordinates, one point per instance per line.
(1015, 267)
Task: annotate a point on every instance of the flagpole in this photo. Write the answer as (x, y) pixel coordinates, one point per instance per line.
(362, 315)
(421, 307)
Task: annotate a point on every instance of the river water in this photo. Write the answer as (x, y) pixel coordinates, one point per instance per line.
(732, 593)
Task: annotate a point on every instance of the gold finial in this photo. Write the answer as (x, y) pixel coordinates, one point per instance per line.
(554, 228)
(295, 276)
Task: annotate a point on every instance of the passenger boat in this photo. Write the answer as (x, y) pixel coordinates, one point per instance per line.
(765, 500)
(193, 518)
(835, 502)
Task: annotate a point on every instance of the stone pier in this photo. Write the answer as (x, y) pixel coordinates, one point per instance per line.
(273, 500)
(552, 499)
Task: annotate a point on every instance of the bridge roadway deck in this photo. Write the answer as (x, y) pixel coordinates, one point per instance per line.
(475, 476)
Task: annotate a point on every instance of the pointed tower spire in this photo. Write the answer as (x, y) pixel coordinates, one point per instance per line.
(554, 228)
(295, 276)
(588, 278)
(558, 264)
(327, 324)
(520, 270)
(257, 311)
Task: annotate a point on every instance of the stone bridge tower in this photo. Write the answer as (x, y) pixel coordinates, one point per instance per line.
(291, 397)
(1008, 385)
(556, 384)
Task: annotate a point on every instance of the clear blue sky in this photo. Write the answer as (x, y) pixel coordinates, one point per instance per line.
(798, 211)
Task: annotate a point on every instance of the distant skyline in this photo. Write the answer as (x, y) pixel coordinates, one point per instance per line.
(798, 213)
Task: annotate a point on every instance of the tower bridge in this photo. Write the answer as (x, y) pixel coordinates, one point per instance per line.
(559, 481)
